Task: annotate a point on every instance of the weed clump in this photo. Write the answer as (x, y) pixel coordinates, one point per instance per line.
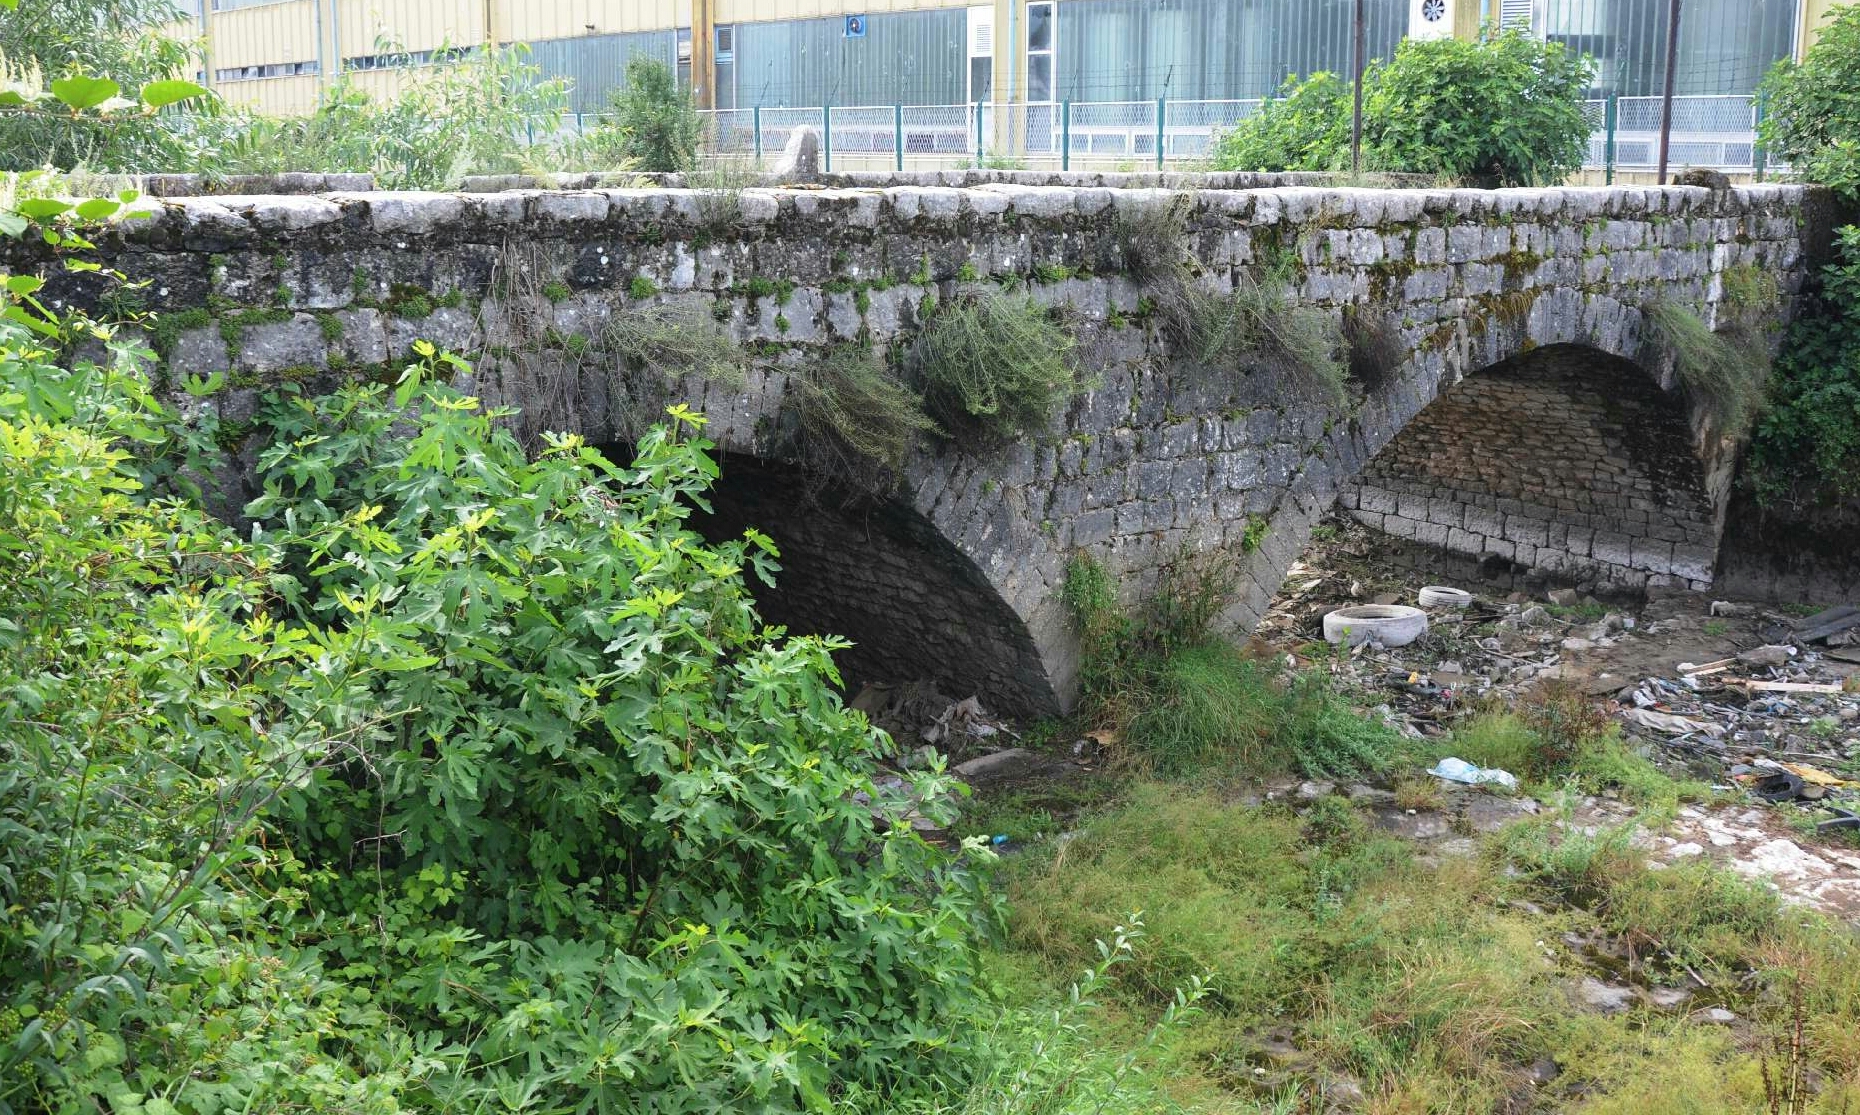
(991, 365)
(1725, 373)
(857, 421)
(675, 338)
(1256, 323)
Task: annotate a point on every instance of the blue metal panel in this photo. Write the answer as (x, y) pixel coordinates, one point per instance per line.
(596, 64)
(1138, 50)
(913, 58)
(1725, 46)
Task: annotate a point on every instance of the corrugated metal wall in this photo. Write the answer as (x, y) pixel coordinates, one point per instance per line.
(905, 58)
(1138, 50)
(1725, 46)
(597, 63)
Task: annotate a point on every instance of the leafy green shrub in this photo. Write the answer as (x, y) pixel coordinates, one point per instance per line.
(1503, 111)
(1305, 127)
(993, 366)
(1807, 445)
(470, 777)
(656, 126)
(1724, 374)
(858, 421)
(1812, 122)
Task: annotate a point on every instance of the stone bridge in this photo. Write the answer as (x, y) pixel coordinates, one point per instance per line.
(1523, 417)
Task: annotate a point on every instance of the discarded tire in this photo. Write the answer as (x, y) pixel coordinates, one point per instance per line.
(1440, 596)
(1392, 625)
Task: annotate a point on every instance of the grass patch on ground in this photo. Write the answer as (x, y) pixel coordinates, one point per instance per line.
(1431, 985)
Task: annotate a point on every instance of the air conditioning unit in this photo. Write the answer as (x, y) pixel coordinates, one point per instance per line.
(1432, 19)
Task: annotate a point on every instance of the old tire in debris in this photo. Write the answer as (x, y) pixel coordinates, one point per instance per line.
(1392, 625)
(1440, 596)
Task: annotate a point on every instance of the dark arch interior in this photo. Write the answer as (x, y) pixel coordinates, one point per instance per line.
(1564, 463)
(879, 574)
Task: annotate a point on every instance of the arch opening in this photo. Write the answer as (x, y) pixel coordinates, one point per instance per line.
(878, 573)
(1565, 464)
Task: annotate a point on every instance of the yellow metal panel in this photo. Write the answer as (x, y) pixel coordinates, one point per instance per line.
(1814, 18)
(757, 11)
(256, 36)
(408, 24)
(273, 96)
(529, 21)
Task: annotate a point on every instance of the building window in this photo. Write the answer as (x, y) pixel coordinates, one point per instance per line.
(1041, 39)
(981, 55)
(726, 67)
(273, 69)
(400, 59)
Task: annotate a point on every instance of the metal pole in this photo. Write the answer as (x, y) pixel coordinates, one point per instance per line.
(826, 134)
(1666, 97)
(978, 135)
(1162, 109)
(755, 121)
(1356, 116)
(1611, 117)
(897, 133)
(1760, 155)
(1065, 135)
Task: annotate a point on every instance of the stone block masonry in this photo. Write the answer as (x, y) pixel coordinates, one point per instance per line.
(1565, 462)
(1153, 461)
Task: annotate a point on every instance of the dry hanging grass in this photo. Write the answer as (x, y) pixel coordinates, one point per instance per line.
(993, 366)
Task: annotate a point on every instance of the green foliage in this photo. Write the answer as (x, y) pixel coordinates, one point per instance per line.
(1811, 121)
(471, 780)
(91, 55)
(1306, 127)
(469, 114)
(993, 366)
(857, 420)
(641, 288)
(555, 290)
(656, 126)
(1807, 446)
(1502, 111)
(1723, 373)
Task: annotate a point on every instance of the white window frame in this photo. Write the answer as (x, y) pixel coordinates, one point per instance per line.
(1051, 52)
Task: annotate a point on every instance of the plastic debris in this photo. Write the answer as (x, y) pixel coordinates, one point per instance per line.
(1459, 770)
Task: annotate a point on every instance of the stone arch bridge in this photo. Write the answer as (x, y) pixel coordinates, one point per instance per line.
(1522, 417)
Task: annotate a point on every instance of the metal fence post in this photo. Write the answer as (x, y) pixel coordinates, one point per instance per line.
(1759, 155)
(897, 134)
(755, 121)
(1611, 121)
(826, 134)
(1065, 135)
(1161, 119)
(978, 135)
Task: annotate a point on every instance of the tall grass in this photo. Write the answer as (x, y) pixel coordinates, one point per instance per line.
(1724, 373)
(857, 421)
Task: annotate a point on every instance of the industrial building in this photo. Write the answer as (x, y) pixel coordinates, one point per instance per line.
(276, 56)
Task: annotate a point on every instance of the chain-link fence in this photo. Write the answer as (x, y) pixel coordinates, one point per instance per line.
(1718, 133)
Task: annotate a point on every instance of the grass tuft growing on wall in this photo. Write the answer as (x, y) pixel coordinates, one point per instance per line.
(857, 420)
(675, 338)
(1725, 373)
(993, 366)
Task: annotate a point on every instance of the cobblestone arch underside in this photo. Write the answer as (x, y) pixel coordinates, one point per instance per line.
(1566, 461)
(877, 573)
